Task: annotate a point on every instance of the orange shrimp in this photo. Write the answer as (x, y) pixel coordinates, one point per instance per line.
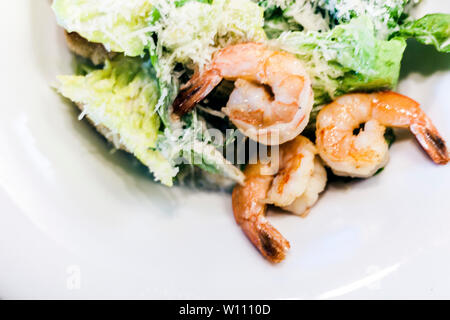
(295, 187)
(363, 154)
(249, 209)
(272, 99)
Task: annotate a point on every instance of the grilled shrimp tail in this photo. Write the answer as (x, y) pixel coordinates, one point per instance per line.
(196, 90)
(398, 109)
(268, 240)
(431, 141)
(249, 209)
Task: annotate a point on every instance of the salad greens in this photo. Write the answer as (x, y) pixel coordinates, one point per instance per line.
(192, 32)
(346, 58)
(192, 143)
(321, 15)
(345, 45)
(119, 25)
(122, 97)
(290, 15)
(187, 32)
(385, 15)
(433, 29)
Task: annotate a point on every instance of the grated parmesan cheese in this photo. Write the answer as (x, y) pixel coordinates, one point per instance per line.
(385, 14)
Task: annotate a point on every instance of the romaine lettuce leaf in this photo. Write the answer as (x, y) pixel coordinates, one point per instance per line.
(347, 58)
(192, 32)
(189, 30)
(191, 144)
(180, 3)
(121, 26)
(433, 29)
(321, 15)
(386, 16)
(292, 15)
(122, 97)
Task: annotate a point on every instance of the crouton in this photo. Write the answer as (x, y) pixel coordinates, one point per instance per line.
(96, 52)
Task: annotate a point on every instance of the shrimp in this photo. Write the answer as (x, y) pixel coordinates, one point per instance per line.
(249, 209)
(298, 181)
(296, 165)
(362, 154)
(316, 185)
(272, 99)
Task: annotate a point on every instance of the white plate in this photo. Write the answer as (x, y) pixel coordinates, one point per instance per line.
(79, 222)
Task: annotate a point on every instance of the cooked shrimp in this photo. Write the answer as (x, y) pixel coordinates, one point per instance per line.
(296, 165)
(272, 99)
(316, 185)
(298, 178)
(363, 154)
(249, 209)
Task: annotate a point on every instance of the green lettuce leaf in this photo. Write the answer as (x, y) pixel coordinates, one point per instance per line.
(192, 32)
(121, 26)
(122, 98)
(290, 15)
(386, 16)
(322, 15)
(180, 3)
(433, 29)
(347, 58)
(188, 142)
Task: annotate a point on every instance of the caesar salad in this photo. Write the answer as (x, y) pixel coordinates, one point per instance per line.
(267, 97)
